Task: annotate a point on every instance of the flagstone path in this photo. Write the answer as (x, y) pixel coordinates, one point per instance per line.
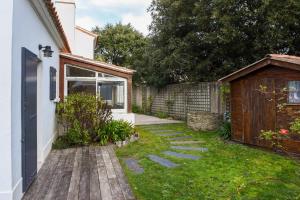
(187, 142)
(170, 134)
(181, 137)
(162, 161)
(133, 165)
(181, 155)
(175, 142)
(189, 148)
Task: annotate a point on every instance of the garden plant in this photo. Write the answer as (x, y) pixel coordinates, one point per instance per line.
(86, 119)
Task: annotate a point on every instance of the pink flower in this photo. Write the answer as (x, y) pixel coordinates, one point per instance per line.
(283, 131)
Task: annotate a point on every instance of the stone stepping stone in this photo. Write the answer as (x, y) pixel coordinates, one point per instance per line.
(187, 142)
(134, 166)
(181, 155)
(161, 131)
(170, 134)
(162, 161)
(190, 148)
(180, 138)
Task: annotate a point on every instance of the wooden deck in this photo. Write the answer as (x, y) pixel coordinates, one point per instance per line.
(81, 173)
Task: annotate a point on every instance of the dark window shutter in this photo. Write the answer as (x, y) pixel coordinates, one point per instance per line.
(52, 83)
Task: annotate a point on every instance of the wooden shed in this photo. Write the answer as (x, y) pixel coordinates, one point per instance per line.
(253, 110)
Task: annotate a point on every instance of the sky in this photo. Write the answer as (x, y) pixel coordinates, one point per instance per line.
(90, 13)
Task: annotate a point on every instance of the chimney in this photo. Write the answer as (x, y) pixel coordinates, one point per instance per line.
(66, 11)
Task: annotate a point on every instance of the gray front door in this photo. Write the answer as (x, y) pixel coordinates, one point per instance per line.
(29, 117)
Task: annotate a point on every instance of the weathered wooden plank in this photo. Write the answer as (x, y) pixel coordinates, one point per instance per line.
(108, 164)
(103, 179)
(83, 173)
(95, 193)
(42, 177)
(84, 189)
(126, 190)
(112, 177)
(57, 176)
(116, 191)
(75, 179)
(63, 186)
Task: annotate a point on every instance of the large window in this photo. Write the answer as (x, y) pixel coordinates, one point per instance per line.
(110, 88)
(88, 87)
(112, 93)
(77, 72)
(294, 92)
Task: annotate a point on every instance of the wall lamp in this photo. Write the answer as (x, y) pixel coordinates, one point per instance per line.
(47, 50)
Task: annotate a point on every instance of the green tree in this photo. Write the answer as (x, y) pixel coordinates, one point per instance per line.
(203, 40)
(118, 44)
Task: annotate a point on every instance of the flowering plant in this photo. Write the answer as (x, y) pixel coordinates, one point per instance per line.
(275, 137)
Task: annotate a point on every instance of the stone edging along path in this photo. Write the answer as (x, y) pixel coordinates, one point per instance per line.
(136, 168)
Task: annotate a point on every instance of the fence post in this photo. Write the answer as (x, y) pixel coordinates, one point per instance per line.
(214, 98)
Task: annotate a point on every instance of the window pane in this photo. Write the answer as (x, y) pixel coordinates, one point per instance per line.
(105, 75)
(112, 93)
(88, 87)
(294, 91)
(52, 83)
(77, 72)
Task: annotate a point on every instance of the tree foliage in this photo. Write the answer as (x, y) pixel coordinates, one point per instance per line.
(118, 44)
(203, 40)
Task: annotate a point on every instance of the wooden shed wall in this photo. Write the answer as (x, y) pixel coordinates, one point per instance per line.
(253, 111)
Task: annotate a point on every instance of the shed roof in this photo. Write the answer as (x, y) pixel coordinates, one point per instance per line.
(97, 63)
(285, 61)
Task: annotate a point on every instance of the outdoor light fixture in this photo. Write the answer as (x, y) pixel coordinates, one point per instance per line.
(47, 50)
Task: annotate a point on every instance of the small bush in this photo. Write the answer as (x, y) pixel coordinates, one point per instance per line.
(77, 136)
(295, 126)
(83, 116)
(116, 130)
(225, 130)
(137, 109)
(61, 143)
(161, 115)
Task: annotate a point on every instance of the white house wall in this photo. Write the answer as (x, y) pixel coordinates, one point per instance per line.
(84, 44)
(66, 10)
(6, 17)
(29, 32)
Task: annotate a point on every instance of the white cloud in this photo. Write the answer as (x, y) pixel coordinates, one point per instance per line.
(101, 12)
(87, 22)
(140, 22)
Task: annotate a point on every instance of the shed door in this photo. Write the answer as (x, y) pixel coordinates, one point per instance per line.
(260, 109)
(29, 117)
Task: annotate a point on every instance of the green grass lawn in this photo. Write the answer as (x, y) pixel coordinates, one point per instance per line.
(226, 171)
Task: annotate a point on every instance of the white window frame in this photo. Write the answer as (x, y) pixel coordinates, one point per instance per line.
(97, 79)
(288, 96)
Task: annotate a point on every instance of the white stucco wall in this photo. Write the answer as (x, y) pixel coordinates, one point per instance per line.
(66, 10)
(84, 44)
(6, 17)
(29, 32)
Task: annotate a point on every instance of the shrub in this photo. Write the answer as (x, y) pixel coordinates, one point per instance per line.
(295, 126)
(77, 136)
(137, 109)
(116, 130)
(225, 130)
(161, 115)
(83, 116)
